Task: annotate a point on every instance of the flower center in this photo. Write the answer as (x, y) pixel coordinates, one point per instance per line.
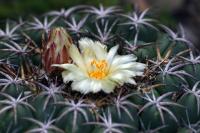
(99, 69)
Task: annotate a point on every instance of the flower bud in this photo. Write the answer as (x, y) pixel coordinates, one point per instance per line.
(55, 49)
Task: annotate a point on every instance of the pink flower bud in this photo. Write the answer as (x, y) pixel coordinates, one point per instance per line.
(55, 49)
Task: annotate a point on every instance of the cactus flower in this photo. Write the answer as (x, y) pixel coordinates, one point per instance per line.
(94, 69)
(55, 49)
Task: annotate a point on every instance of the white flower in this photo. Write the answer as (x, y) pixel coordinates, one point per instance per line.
(94, 69)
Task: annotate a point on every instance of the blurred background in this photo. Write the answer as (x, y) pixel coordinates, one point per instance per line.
(168, 12)
(12, 8)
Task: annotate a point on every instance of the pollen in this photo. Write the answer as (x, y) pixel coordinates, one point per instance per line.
(100, 69)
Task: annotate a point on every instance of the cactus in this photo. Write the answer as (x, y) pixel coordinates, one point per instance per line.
(142, 76)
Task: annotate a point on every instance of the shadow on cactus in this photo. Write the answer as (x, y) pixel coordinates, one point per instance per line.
(97, 69)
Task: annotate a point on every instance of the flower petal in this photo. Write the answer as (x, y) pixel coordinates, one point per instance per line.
(96, 86)
(82, 86)
(85, 43)
(77, 57)
(100, 50)
(72, 76)
(138, 66)
(93, 48)
(122, 76)
(118, 60)
(108, 86)
(87, 85)
(67, 66)
(112, 52)
(131, 81)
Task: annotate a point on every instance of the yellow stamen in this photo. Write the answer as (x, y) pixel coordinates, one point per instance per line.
(100, 69)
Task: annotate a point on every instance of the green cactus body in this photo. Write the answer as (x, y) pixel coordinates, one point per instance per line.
(121, 73)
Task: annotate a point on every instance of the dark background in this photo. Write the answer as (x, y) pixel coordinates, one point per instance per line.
(26, 8)
(12, 8)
